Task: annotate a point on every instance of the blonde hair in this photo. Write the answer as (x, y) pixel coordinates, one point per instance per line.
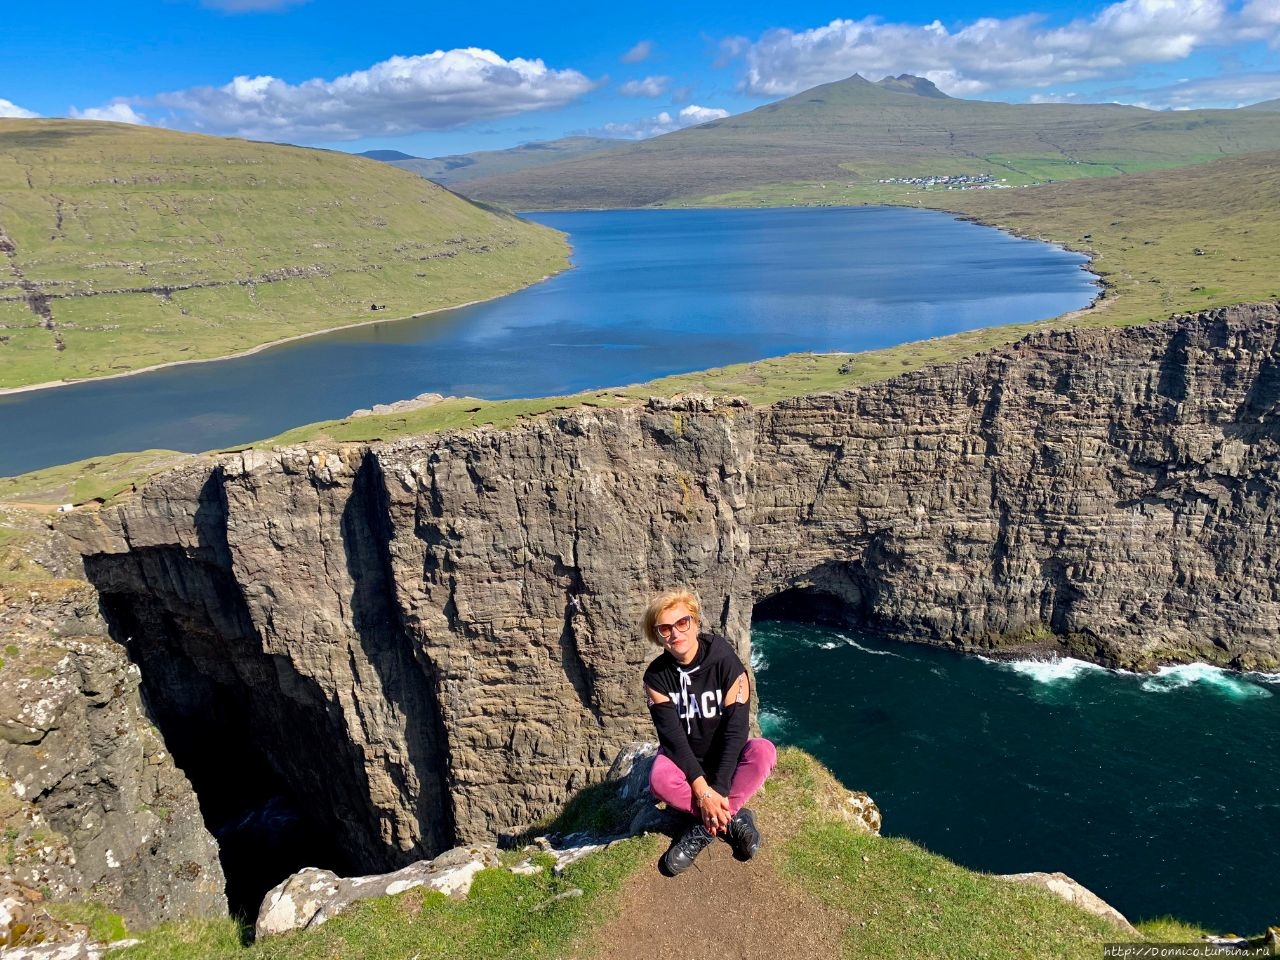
(665, 601)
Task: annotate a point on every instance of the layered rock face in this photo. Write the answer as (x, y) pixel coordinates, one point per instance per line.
(1113, 490)
(433, 641)
(91, 802)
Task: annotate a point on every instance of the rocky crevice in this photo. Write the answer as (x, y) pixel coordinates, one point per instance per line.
(286, 746)
(91, 802)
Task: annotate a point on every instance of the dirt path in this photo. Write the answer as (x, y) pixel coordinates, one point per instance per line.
(719, 908)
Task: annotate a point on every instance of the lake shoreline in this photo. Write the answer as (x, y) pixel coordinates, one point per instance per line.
(1105, 297)
(728, 287)
(55, 384)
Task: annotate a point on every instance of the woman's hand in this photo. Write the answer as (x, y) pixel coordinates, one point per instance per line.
(714, 809)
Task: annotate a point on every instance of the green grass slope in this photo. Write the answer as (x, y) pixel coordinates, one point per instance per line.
(123, 247)
(851, 134)
(1173, 241)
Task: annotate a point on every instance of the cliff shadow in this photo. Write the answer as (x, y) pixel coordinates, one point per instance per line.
(239, 722)
(835, 593)
(406, 676)
(579, 673)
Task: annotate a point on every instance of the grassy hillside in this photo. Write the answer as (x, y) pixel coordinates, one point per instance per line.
(123, 247)
(1174, 241)
(851, 134)
(460, 168)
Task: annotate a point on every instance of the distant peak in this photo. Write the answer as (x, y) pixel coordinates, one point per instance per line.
(386, 156)
(906, 83)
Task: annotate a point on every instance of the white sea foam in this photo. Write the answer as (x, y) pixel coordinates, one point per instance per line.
(1058, 670)
(1234, 685)
(758, 662)
(773, 723)
(848, 641)
(1166, 679)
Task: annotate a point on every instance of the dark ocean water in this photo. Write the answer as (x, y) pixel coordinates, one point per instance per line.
(653, 292)
(1159, 793)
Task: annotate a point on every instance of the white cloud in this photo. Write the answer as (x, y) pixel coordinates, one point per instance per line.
(401, 95)
(1260, 20)
(10, 109)
(694, 114)
(1052, 97)
(1234, 91)
(648, 87)
(992, 53)
(117, 111)
(664, 122)
(730, 49)
(641, 52)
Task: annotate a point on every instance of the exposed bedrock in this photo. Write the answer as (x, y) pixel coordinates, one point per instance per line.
(432, 641)
(1116, 489)
(91, 802)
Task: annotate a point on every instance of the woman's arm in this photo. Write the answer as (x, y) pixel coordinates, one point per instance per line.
(737, 721)
(672, 736)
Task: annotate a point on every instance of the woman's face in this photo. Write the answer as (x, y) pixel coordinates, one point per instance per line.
(678, 628)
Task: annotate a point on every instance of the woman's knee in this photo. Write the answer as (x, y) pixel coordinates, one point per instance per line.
(761, 751)
(665, 778)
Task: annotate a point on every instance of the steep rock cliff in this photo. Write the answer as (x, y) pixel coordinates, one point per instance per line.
(429, 640)
(1113, 489)
(91, 802)
(433, 640)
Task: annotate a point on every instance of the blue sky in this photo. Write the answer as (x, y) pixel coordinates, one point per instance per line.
(432, 78)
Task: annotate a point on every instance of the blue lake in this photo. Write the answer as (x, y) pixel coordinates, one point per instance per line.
(652, 292)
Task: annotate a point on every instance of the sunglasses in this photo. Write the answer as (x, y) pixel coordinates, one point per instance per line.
(668, 630)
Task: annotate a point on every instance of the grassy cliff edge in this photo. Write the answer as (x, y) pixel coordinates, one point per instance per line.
(892, 898)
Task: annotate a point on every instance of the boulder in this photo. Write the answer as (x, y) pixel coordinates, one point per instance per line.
(1073, 892)
(312, 896)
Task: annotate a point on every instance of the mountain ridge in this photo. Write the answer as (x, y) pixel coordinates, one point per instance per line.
(855, 133)
(459, 168)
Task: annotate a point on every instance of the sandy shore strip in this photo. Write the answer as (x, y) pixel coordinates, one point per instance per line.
(54, 384)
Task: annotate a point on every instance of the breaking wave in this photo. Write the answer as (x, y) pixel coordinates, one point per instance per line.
(1060, 670)
(1235, 685)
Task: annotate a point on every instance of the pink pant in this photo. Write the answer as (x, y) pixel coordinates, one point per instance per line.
(667, 781)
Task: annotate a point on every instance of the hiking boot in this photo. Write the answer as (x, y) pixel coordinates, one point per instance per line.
(685, 850)
(742, 835)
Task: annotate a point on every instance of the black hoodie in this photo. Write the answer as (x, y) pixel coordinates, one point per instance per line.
(700, 734)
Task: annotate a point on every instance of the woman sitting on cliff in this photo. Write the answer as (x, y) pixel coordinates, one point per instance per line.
(698, 697)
